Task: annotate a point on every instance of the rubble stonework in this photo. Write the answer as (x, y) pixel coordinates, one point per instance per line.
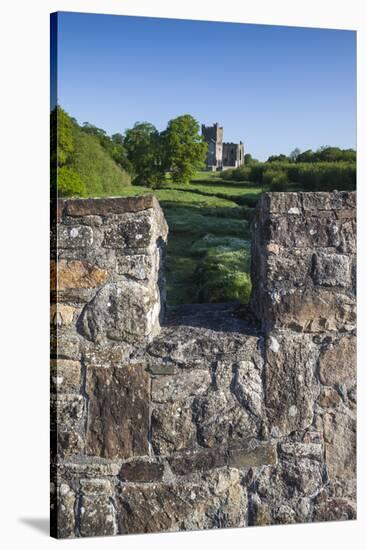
(199, 417)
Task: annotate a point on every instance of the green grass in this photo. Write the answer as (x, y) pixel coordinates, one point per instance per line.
(208, 245)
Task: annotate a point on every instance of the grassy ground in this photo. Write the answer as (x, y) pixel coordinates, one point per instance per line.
(208, 247)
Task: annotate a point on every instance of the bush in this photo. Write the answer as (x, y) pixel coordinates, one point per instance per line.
(275, 179)
(69, 183)
(310, 176)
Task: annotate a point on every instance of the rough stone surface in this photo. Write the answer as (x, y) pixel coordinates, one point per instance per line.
(205, 416)
(67, 274)
(118, 419)
(149, 508)
(290, 385)
(337, 362)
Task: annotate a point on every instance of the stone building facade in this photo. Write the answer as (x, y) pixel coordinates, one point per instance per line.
(203, 416)
(220, 155)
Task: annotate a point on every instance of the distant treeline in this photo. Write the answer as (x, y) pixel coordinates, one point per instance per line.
(85, 161)
(326, 169)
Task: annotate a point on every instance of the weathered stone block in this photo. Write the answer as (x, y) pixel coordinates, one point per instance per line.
(337, 362)
(103, 207)
(66, 444)
(65, 375)
(314, 451)
(66, 346)
(118, 412)
(172, 427)
(137, 266)
(67, 274)
(63, 515)
(67, 411)
(334, 509)
(332, 270)
(61, 315)
(77, 236)
(97, 516)
(147, 508)
(132, 232)
(250, 456)
(141, 470)
(290, 385)
(340, 446)
(188, 462)
(126, 311)
(187, 383)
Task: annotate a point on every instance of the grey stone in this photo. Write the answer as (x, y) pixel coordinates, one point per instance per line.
(332, 270)
(74, 236)
(105, 316)
(290, 386)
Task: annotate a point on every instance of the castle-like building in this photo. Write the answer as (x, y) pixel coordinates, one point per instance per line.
(220, 155)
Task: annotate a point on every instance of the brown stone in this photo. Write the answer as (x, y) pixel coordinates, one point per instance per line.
(329, 398)
(118, 418)
(340, 446)
(141, 471)
(337, 362)
(250, 457)
(66, 274)
(61, 315)
(187, 462)
(116, 205)
(151, 508)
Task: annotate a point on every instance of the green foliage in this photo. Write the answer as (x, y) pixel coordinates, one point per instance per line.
(144, 152)
(184, 147)
(315, 176)
(69, 183)
(78, 154)
(278, 158)
(328, 154)
(113, 145)
(275, 179)
(62, 141)
(99, 171)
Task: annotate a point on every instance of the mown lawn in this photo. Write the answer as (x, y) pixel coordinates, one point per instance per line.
(208, 256)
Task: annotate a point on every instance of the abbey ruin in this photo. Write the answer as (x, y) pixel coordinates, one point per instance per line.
(220, 155)
(207, 416)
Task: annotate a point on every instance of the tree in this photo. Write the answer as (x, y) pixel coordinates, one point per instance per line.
(278, 158)
(248, 159)
(142, 143)
(294, 154)
(184, 148)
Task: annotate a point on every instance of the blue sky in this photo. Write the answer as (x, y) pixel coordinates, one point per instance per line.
(275, 88)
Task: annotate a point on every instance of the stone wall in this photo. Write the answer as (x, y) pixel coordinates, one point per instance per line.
(205, 419)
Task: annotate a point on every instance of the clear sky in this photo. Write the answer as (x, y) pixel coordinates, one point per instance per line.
(274, 88)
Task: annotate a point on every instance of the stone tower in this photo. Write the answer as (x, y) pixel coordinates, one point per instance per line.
(214, 136)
